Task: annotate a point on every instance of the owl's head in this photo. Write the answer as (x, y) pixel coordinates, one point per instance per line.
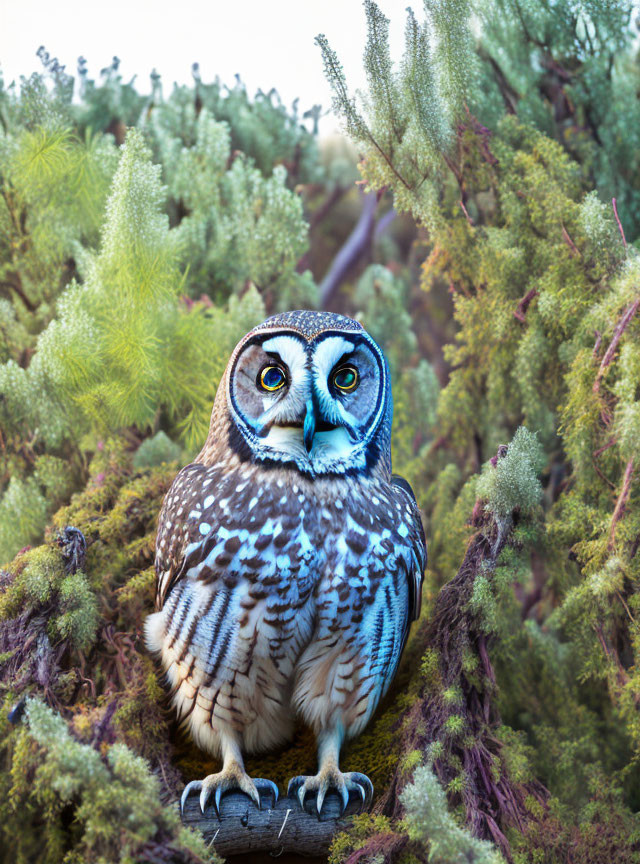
(310, 389)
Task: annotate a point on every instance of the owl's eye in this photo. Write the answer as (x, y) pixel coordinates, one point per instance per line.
(346, 378)
(271, 378)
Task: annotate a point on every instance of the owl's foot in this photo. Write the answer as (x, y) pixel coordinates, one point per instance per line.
(233, 777)
(332, 778)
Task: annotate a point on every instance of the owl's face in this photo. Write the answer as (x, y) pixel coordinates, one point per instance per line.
(311, 389)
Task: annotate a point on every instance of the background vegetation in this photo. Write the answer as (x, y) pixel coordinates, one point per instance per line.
(492, 251)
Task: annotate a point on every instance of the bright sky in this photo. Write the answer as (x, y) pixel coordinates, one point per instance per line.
(268, 42)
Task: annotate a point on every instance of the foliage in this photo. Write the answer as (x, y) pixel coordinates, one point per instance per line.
(506, 299)
(381, 300)
(571, 72)
(429, 821)
(100, 331)
(238, 225)
(512, 482)
(97, 755)
(116, 790)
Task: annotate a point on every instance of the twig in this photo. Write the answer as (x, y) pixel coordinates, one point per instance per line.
(621, 503)
(466, 213)
(572, 246)
(620, 228)
(624, 603)
(323, 209)
(521, 309)
(601, 475)
(15, 285)
(621, 326)
(613, 656)
(510, 97)
(604, 447)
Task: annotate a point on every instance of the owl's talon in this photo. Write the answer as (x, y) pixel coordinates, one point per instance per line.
(216, 800)
(332, 779)
(204, 797)
(322, 791)
(345, 798)
(268, 786)
(356, 780)
(194, 786)
(229, 780)
(295, 781)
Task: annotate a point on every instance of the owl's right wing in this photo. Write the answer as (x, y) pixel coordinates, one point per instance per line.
(178, 527)
(219, 528)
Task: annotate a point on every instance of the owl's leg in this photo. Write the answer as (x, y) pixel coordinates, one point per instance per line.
(330, 776)
(232, 776)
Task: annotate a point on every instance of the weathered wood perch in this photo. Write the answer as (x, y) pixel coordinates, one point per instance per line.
(285, 828)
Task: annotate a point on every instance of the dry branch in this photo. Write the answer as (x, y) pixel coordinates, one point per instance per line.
(619, 223)
(356, 244)
(621, 326)
(521, 309)
(621, 503)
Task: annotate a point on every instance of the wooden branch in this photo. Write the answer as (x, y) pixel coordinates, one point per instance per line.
(510, 97)
(597, 344)
(569, 241)
(15, 284)
(383, 223)
(243, 829)
(601, 450)
(354, 247)
(316, 218)
(466, 213)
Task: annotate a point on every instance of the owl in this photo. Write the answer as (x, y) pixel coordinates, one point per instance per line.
(289, 558)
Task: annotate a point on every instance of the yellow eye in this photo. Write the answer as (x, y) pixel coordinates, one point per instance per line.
(271, 378)
(346, 378)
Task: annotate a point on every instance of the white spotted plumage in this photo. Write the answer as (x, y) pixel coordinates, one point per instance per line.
(289, 587)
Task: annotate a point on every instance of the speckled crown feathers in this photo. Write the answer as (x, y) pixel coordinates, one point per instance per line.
(309, 323)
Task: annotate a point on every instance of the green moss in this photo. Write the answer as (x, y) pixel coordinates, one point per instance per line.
(454, 725)
(513, 482)
(360, 830)
(430, 668)
(78, 618)
(409, 762)
(114, 799)
(36, 575)
(107, 684)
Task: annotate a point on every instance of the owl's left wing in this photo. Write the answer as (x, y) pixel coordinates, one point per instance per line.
(411, 530)
(366, 601)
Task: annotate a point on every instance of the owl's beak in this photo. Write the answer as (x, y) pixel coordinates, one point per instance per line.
(309, 424)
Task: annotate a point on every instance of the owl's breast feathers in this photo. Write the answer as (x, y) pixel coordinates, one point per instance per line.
(278, 533)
